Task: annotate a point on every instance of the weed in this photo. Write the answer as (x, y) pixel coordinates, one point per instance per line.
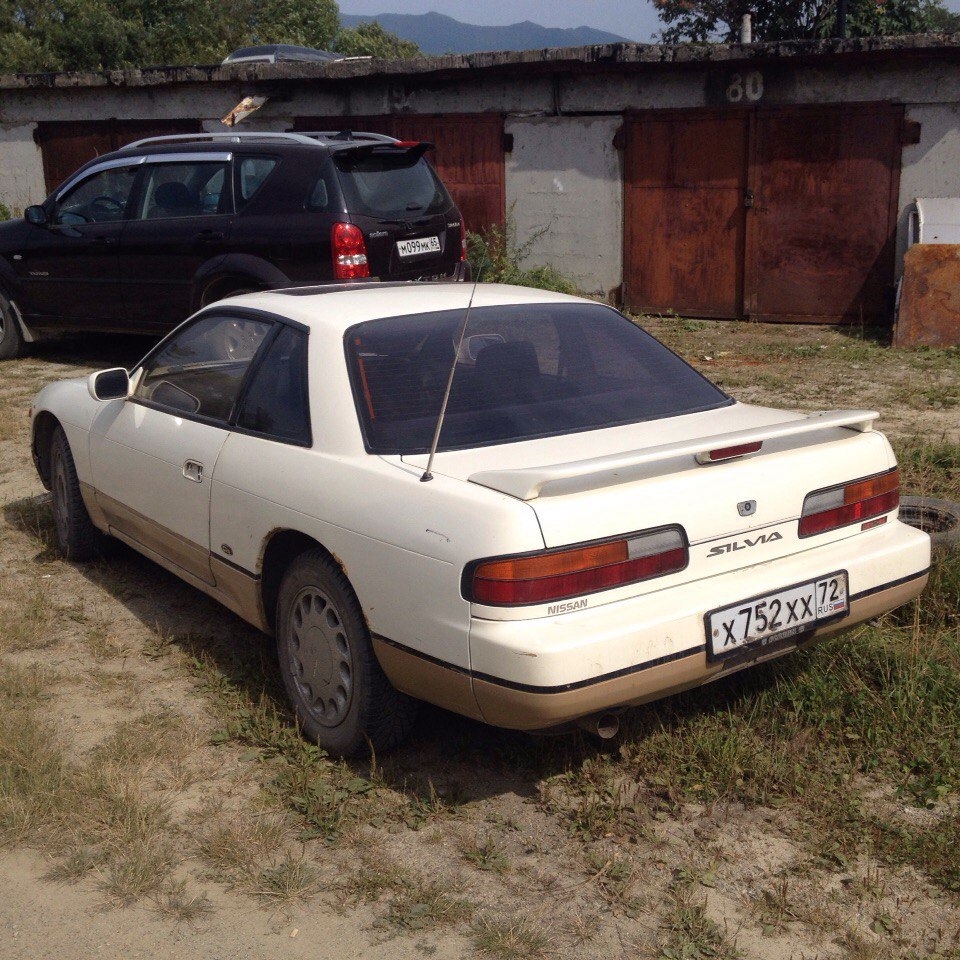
(687, 933)
(484, 854)
(509, 938)
(290, 880)
(497, 256)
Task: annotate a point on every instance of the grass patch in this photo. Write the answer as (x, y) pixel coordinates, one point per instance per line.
(812, 732)
(413, 903)
(509, 938)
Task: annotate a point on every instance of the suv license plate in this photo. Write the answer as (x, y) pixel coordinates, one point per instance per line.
(410, 248)
(776, 616)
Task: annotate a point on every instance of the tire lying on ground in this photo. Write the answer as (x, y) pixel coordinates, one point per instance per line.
(939, 518)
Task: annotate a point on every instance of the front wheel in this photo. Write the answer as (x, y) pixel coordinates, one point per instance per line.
(11, 339)
(77, 537)
(340, 694)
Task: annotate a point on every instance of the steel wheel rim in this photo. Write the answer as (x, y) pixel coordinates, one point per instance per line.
(320, 657)
(3, 323)
(60, 497)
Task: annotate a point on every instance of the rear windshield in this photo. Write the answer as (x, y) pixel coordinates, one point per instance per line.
(521, 372)
(390, 185)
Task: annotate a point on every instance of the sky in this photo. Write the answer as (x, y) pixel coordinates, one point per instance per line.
(633, 19)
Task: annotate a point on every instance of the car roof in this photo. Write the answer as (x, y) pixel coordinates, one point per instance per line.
(336, 308)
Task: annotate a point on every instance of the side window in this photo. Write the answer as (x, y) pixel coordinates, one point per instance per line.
(201, 370)
(276, 400)
(99, 199)
(252, 172)
(184, 190)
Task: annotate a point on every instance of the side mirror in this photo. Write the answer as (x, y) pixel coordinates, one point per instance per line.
(111, 384)
(36, 215)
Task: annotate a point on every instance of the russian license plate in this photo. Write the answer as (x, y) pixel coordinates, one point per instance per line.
(410, 248)
(775, 616)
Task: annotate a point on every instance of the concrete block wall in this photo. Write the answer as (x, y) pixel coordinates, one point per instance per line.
(563, 182)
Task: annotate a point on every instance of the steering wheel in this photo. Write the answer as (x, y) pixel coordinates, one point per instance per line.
(111, 205)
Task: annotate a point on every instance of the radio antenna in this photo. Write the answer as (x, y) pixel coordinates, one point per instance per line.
(427, 475)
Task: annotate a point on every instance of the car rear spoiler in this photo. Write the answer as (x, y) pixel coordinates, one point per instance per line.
(528, 483)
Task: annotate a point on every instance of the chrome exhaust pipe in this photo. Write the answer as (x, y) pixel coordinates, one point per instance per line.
(603, 725)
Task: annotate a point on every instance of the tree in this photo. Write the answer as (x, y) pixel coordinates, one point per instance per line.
(371, 40)
(109, 34)
(702, 21)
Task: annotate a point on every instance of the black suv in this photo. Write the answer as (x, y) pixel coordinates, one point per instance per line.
(138, 239)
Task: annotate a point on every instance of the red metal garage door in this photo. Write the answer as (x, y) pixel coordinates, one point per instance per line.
(684, 224)
(67, 145)
(468, 155)
(774, 213)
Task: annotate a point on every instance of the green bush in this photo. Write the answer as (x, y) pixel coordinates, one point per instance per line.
(4, 212)
(496, 257)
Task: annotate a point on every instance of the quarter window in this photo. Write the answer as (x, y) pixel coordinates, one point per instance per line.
(201, 370)
(252, 173)
(275, 403)
(172, 190)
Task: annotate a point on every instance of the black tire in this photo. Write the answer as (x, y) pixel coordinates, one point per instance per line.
(939, 518)
(77, 537)
(339, 692)
(11, 339)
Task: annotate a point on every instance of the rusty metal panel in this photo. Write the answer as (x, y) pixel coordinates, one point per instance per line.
(684, 212)
(469, 155)
(930, 297)
(67, 145)
(821, 241)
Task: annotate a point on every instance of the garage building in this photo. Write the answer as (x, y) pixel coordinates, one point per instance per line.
(769, 181)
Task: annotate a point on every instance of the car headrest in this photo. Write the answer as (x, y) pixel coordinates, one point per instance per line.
(174, 196)
(503, 362)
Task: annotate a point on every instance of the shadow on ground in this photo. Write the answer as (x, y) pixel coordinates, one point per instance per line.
(463, 759)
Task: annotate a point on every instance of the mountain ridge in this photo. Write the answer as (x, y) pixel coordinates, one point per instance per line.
(436, 33)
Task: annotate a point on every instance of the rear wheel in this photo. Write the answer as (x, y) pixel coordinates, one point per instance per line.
(11, 340)
(77, 537)
(340, 694)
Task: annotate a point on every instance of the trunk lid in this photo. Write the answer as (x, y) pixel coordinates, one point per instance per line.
(733, 513)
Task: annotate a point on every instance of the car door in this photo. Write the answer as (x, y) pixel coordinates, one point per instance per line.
(153, 455)
(182, 221)
(70, 266)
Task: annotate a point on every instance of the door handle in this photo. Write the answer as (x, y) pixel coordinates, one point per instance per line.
(208, 236)
(193, 471)
(105, 240)
(748, 198)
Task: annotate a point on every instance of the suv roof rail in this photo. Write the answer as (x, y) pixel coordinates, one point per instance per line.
(339, 135)
(307, 138)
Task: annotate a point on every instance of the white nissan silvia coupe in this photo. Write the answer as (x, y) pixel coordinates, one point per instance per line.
(599, 526)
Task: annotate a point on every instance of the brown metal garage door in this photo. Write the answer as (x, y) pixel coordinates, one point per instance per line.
(774, 213)
(468, 156)
(67, 145)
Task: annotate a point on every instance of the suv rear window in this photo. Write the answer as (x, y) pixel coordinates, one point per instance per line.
(523, 371)
(390, 185)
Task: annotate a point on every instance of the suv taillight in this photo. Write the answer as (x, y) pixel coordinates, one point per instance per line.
(559, 574)
(349, 252)
(849, 503)
(463, 239)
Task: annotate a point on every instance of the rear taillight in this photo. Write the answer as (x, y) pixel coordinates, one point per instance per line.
(349, 252)
(463, 240)
(850, 503)
(559, 574)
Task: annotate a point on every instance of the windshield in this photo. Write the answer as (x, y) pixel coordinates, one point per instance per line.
(522, 372)
(394, 185)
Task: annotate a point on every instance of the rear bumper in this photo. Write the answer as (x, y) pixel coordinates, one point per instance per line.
(536, 674)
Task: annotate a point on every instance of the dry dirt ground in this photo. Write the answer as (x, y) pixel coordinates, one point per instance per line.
(155, 800)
